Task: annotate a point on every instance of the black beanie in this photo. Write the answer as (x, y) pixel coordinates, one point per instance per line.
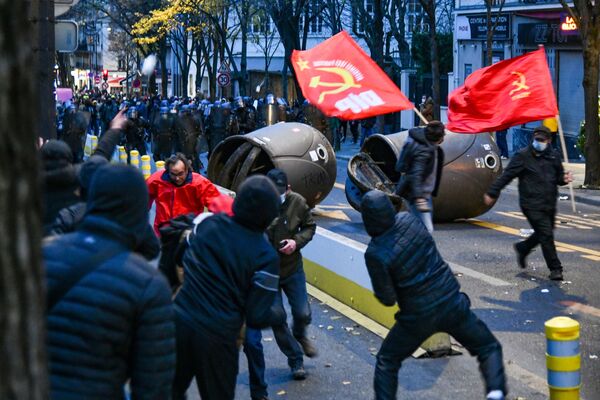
(257, 203)
(87, 171)
(119, 193)
(378, 212)
(56, 154)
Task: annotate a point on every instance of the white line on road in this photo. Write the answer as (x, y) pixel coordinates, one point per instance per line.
(478, 275)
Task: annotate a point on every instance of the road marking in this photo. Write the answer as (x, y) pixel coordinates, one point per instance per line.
(513, 370)
(515, 232)
(581, 308)
(580, 220)
(478, 275)
(339, 186)
(336, 214)
(564, 250)
(593, 258)
(518, 215)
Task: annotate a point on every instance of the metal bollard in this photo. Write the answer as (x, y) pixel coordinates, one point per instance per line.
(563, 359)
(160, 165)
(134, 158)
(146, 167)
(94, 143)
(122, 155)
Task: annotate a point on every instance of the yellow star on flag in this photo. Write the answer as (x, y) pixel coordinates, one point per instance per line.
(303, 64)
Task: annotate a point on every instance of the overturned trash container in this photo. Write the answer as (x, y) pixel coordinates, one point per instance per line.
(471, 165)
(299, 150)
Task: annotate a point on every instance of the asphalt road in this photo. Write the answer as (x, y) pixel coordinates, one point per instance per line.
(514, 303)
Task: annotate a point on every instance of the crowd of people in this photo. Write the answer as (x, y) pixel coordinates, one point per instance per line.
(118, 327)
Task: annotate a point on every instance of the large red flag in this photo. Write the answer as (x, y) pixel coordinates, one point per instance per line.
(343, 81)
(508, 93)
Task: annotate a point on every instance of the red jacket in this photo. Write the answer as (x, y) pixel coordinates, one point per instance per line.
(171, 201)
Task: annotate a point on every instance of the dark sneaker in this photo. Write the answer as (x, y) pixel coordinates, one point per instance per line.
(521, 258)
(556, 275)
(308, 347)
(298, 373)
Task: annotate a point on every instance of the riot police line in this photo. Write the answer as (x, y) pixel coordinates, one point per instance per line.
(187, 125)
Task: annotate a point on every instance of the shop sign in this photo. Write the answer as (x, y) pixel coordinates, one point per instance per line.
(545, 33)
(474, 27)
(568, 25)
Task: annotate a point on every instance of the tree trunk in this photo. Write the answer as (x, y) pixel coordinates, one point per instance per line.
(23, 374)
(164, 73)
(435, 72)
(591, 73)
(243, 61)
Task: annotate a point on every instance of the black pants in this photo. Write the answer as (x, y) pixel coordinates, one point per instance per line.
(214, 364)
(542, 223)
(454, 317)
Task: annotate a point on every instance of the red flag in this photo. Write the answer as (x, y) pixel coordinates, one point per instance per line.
(343, 81)
(508, 93)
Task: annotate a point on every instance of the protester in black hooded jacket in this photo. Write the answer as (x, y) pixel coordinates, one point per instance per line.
(406, 268)
(231, 275)
(59, 179)
(420, 165)
(109, 313)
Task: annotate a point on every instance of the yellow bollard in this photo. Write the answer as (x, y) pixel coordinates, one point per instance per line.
(94, 143)
(122, 155)
(563, 359)
(146, 167)
(160, 165)
(134, 158)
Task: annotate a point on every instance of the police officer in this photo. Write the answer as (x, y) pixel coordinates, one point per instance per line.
(163, 132)
(74, 128)
(135, 132)
(188, 132)
(245, 116)
(232, 126)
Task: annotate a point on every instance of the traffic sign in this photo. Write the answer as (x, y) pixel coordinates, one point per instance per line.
(104, 85)
(65, 36)
(136, 83)
(224, 68)
(97, 79)
(223, 79)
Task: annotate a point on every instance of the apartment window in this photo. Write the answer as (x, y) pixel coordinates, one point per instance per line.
(315, 19)
(261, 24)
(357, 21)
(417, 19)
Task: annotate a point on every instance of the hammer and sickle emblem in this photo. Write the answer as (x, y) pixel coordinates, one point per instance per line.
(348, 82)
(520, 84)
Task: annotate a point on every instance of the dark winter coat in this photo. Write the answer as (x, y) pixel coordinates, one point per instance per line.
(403, 262)
(416, 163)
(294, 222)
(115, 322)
(539, 175)
(231, 275)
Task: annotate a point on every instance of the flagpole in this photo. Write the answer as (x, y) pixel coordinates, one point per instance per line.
(420, 116)
(564, 151)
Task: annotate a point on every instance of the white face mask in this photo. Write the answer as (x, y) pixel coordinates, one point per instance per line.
(539, 146)
(282, 197)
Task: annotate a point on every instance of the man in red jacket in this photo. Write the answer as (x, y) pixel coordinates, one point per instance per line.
(177, 190)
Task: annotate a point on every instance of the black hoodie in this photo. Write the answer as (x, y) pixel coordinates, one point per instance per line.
(403, 262)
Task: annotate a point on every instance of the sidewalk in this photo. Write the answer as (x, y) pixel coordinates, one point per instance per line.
(584, 196)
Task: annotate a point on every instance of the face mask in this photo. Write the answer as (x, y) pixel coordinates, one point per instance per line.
(539, 146)
(282, 197)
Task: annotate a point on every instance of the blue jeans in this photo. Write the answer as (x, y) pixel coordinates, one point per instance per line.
(366, 132)
(256, 363)
(425, 217)
(294, 287)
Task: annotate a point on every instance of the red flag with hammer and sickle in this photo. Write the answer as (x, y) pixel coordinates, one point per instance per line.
(341, 80)
(505, 94)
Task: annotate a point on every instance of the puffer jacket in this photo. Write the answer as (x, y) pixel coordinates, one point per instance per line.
(114, 324)
(171, 201)
(230, 276)
(294, 222)
(403, 262)
(539, 175)
(416, 163)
